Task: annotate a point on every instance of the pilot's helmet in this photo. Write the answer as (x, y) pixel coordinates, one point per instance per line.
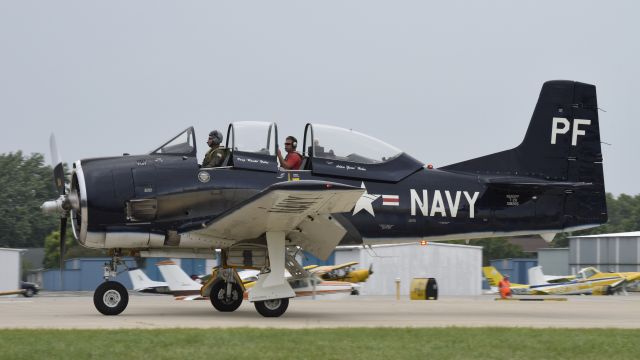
(216, 137)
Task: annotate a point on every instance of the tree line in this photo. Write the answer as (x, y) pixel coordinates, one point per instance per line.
(26, 182)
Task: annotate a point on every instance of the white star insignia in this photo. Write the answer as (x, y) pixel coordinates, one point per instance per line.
(364, 203)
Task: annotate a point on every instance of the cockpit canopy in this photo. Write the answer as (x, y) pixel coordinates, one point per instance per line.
(253, 137)
(181, 144)
(327, 150)
(586, 273)
(336, 151)
(335, 143)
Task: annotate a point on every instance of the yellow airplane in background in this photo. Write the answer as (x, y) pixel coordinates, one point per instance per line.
(342, 272)
(587, 281)
(494, 277)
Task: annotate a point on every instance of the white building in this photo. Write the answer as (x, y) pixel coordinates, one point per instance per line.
(456, 268)
(10, 269)
(617, 252)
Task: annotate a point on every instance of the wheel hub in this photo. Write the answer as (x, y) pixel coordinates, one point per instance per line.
(111, 298)
(272, 304)
(227, 299)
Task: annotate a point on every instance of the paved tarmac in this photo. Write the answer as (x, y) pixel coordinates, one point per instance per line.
(76, 311)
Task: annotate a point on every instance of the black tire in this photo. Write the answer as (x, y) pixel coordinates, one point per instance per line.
(272, 308)
(221, 301)
(28, 292)
(111, 298)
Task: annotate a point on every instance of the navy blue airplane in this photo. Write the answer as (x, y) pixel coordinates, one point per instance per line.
(351, 189)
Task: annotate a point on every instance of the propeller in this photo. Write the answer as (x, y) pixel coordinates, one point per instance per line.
(370, 268)
(64, 203)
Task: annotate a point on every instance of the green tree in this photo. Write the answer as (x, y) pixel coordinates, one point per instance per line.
(26, 182)
(624, 216)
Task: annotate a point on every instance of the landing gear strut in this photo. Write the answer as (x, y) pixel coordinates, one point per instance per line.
(111, 297)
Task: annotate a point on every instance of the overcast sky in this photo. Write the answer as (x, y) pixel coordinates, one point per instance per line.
(444, 81)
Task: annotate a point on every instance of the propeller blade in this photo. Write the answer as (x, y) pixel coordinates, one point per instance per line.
(58, 178)
(370, 269)
(58, 168)
(55, 155)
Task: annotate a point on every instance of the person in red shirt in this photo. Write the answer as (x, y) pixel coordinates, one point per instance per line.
(505, 287)
(293, 160)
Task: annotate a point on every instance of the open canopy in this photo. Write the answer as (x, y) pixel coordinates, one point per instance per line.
(327, 150)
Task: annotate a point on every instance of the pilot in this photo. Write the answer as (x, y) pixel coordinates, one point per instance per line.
(293, 160)
(215, 155)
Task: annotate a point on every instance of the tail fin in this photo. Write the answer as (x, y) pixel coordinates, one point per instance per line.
(493, 276)
(536, 276)
(177, 279)
(141, 281)
(561, 149)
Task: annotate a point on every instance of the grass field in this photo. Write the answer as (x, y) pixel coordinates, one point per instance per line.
(343, 344)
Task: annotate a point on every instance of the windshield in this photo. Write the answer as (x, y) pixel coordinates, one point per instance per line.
(252, 136)
(182, 144)
(330, 142)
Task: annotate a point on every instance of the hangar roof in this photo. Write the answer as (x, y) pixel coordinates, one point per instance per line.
(622, 234)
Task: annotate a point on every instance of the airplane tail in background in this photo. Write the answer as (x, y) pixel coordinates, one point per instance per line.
(561, 150)
(536, 276)
(176, 278)
(142, 283)
(492, 275)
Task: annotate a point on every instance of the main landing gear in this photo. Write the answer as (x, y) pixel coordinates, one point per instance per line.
(272, 308)
(226, 296)
(111, 297)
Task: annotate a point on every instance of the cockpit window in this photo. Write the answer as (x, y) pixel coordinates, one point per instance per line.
(588, 272)
(330, 142)
(182, 144)
(252, 136)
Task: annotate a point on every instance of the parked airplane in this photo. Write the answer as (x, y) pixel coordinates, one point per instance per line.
(343, 272)
(587, 281)
(352, 189)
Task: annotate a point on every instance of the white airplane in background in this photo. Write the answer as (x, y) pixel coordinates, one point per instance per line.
(142, 283)
(178, 284)
(182, 287)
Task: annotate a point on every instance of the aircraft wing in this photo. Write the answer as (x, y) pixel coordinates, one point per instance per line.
(325, 269)
(552, 279)
(302, 209)
(631, 276)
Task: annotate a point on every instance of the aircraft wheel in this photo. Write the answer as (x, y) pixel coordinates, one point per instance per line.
(221, 301)
(28, 293)
(110, 298)
(272, 308)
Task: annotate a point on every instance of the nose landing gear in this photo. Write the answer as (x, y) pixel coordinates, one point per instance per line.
(111, 297)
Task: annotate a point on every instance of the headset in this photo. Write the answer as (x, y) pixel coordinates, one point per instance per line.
(294, 141)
